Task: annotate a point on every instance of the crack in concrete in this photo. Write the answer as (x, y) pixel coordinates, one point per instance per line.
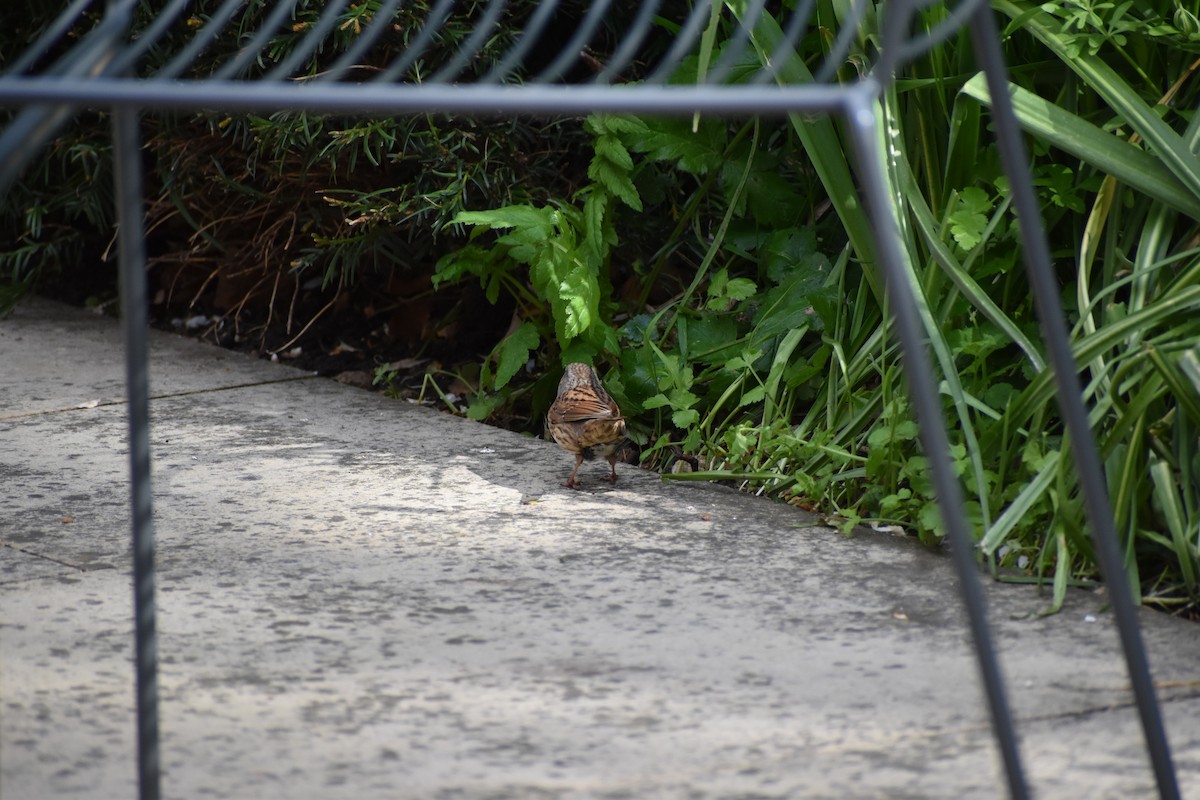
(164, 396)
(32, 554)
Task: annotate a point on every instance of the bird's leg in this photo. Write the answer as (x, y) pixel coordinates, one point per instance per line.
(612, 462)
(571, 482)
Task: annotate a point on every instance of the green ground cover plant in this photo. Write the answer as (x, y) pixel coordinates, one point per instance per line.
(720, 273)
(770, 364)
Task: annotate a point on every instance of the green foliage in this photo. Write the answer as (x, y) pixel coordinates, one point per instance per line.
(513, 352)
(675, 381)
(969, 223)
(611, 166)
(560, 255)
(257, 211)
(769, 364)
(722, 272)
(725, 292)
(50, 230)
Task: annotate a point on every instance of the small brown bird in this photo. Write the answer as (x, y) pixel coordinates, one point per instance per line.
(585, 420)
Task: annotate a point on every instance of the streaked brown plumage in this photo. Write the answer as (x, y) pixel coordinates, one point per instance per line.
(585, 420)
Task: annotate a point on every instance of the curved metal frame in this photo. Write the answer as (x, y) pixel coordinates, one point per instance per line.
(94, 73)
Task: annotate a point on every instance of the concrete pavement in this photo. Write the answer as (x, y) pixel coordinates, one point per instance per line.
(363, 598)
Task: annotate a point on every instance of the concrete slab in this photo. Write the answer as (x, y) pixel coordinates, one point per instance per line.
(359, 597)
(58, 358)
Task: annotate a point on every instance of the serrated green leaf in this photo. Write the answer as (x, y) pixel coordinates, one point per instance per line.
(788, 251)
(518, 216)
(930, 518)
(712, 336)
(975, 200)
(682, 398)
(967, 228)
(482, 405)
(524, 253)
(513, 352)
(616, 181)
(716, 284)
(657, 401)
(723, 292)
(674, 373)
(525, 243)
(790, 306)
(979, 341)
(716, 291)
(754, 395)
(740, 289)
(543, 273)
(470, 260)
(685, 419)
(580, 293)
(744, 361)
(801, 370)
(532, 235)
(771, 197)
(610, 147)
(598, 124)
(673, 140)
(578, 319)
(595, 208)
(492, 289)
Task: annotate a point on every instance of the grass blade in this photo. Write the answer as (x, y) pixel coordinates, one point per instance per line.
(1129, 164)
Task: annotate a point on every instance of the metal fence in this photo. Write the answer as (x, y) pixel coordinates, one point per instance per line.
(87, 59)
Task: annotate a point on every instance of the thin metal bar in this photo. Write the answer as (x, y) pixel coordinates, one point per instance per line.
(24, 137)
(127, 58)
(380, 22)
(72, 83)
(384, 99)
(842, 44)
(134, 302)
(735, 47)
(202, 39)
(484, 27)
(416, 48)
(899, 48)
(631, 42)
(861, 117)
(1070, 400)
(253, 49)
(685, 40)
(97, 48)
(312, 40)
(528, 36)
(60, 26)
(572, 49)
(788, 46)
(37, 123)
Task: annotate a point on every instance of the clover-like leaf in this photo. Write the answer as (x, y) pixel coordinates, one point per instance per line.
(513, 352)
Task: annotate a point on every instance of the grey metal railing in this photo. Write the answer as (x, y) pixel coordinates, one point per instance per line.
(97, 66)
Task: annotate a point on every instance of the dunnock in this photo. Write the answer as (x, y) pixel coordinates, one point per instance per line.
(585, 420)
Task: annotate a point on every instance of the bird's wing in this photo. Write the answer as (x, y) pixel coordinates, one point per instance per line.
(583, 403)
